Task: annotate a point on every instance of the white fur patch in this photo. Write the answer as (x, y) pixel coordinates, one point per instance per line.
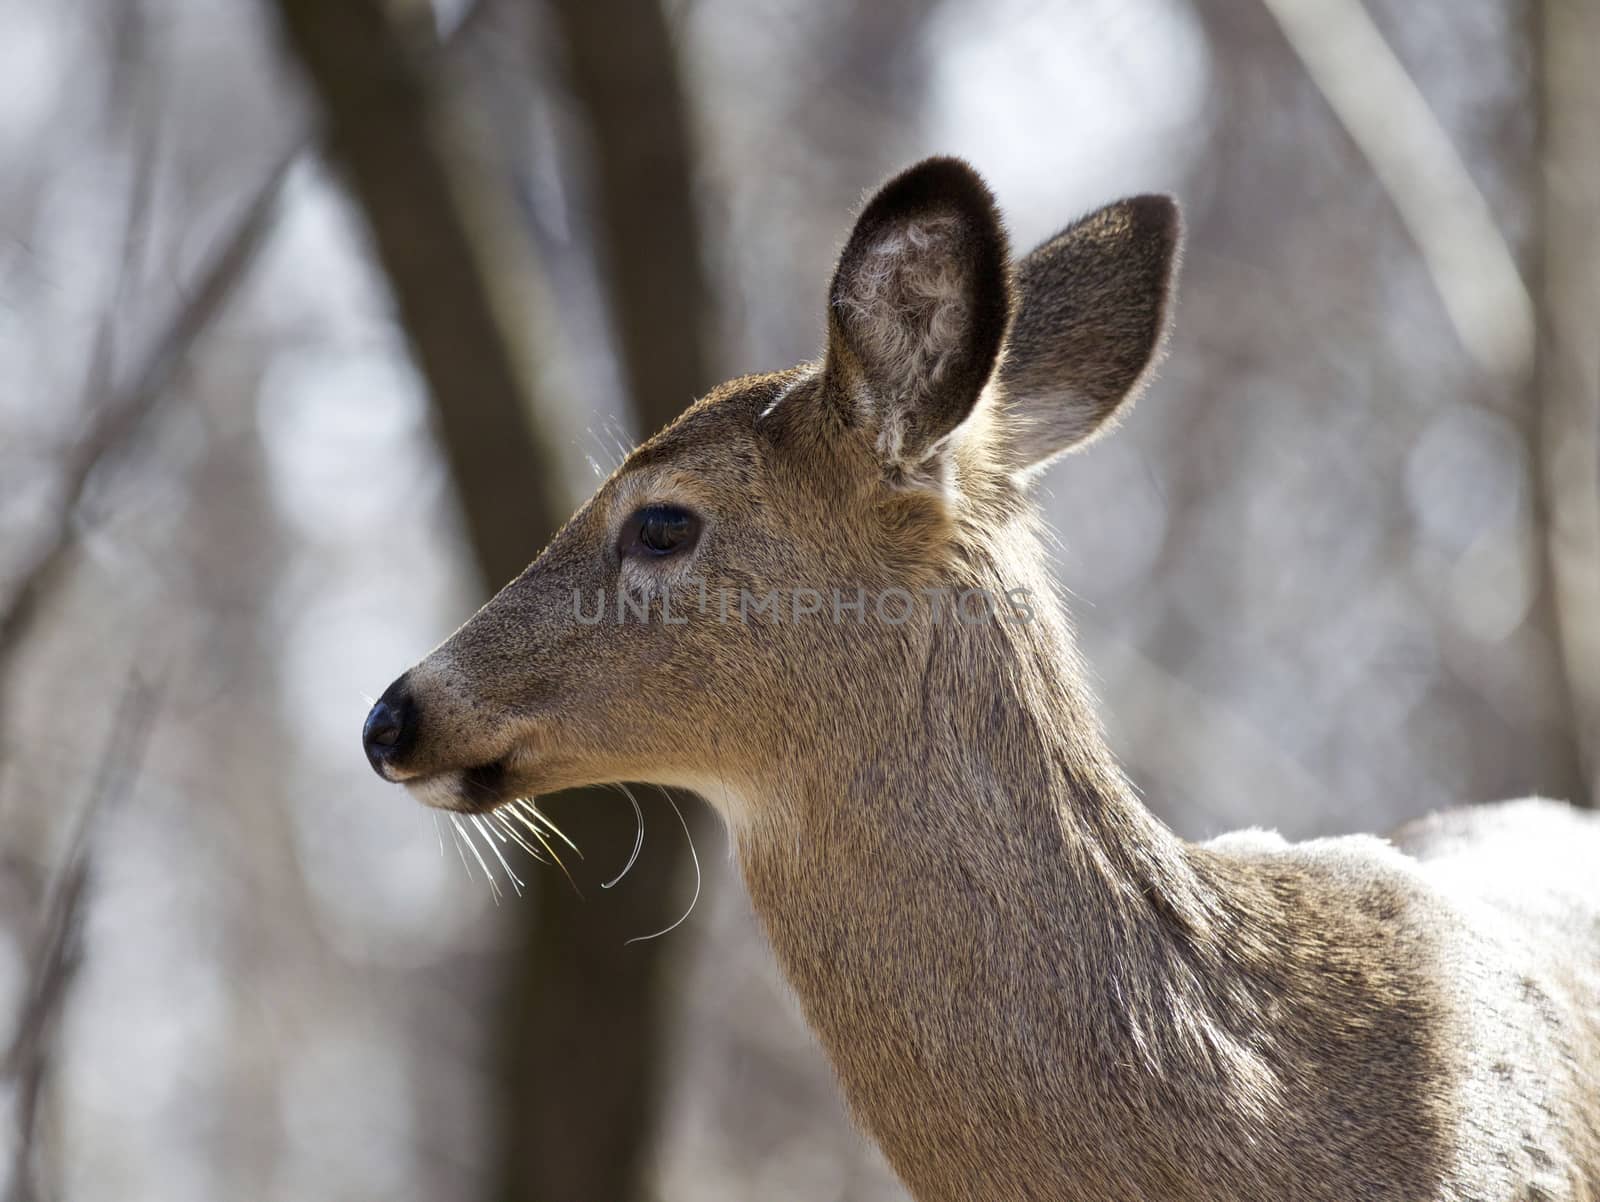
(733, 804)
(440, 792)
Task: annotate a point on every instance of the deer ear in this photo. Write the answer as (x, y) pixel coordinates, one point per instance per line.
(1092, 315)
(917, 310)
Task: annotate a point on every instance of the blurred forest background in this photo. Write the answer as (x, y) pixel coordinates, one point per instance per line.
(316, 317)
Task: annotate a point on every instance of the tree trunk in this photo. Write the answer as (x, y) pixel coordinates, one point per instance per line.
(584, 1032)
(1569, 353)
(379, 121)
(622, 70)
(579, 1037)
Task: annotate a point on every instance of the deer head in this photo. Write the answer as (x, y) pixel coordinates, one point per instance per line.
(748, 588)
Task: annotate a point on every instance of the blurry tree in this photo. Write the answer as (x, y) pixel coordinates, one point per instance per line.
(1473, 266)
(25, 1067)
(116, 414)
(621, 68)
(1441, 186)
(584, 1027)
(1569, 359)
(580, 1028)
(381, 119)
(121, 394)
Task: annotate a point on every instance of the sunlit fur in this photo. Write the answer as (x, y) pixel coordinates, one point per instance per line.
(1030, 988)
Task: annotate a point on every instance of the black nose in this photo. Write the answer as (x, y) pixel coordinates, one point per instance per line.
(391, 727)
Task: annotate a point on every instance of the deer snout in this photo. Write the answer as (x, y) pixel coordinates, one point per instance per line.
(390, 730)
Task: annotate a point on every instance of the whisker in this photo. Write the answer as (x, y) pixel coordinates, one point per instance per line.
(438, 833)
(638, 838)
(531, 807)
(488, 829)
(516, 836)
(494, 885)
(616, 432)
(698, 879)
(562, 865)
(519, 811)
(455, 836)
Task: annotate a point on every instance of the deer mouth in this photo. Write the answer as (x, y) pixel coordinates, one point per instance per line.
(473, 790)
(486, 784)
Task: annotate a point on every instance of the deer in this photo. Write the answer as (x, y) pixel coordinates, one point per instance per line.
(1029, 986)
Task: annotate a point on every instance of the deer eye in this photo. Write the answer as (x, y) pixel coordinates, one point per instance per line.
(658, 530)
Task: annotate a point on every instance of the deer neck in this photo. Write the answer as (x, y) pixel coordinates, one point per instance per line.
(991, 936)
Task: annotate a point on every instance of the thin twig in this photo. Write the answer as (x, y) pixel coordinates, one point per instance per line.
(58, 954)
(121, 416)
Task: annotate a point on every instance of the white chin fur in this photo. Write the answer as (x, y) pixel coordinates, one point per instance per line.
(441, 791)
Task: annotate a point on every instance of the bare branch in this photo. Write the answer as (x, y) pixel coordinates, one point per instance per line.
(1390, 122)
(57, 956)
(120, 416)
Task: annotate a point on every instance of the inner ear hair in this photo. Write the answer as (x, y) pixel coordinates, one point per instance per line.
(918, 308)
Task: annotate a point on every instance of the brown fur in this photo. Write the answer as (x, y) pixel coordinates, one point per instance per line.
(1030, 988)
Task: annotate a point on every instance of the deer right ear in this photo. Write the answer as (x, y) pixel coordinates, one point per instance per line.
(917, 314)
(1092, 315)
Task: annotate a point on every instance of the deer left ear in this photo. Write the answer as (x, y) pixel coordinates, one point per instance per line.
(918, 309)
(1093, 306)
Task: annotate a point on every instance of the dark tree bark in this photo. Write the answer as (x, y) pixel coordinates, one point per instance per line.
(584, 1032)
(379, 117)
(579, 1038)
(622, 70)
